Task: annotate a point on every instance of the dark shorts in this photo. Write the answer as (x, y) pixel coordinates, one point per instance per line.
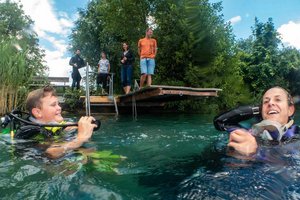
(102, 79)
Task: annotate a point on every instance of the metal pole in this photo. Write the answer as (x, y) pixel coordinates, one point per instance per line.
(87, 92)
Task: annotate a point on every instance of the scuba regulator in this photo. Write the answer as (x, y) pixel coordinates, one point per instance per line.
(229, 120)
(265, 129)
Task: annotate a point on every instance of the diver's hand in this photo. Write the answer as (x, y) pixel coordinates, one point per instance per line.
(243, 142)
(85, 128)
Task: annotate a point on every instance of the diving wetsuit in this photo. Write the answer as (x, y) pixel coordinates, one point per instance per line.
(76, 59)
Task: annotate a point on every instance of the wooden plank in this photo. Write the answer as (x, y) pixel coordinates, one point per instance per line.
(141, 95)
(143, 104)
(51, 79)
(189, 93)
(184, 88)
(100, 99)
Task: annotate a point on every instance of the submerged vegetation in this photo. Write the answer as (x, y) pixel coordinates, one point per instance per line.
(21, 57)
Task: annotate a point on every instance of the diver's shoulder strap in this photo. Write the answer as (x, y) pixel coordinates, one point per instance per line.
(30, 131)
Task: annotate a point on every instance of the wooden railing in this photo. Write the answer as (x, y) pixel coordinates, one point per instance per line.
(38, 81)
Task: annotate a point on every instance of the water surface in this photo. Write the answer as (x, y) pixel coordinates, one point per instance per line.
(169, 156)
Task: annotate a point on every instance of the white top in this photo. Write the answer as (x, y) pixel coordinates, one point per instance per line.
(103, 66)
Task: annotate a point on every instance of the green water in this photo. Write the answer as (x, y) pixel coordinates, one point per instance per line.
(169, 156)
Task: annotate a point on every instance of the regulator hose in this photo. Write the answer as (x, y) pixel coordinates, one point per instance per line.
(17, 115)
(231, 119)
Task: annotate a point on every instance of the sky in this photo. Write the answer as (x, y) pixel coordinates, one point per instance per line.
(54, 20)
(285, 15)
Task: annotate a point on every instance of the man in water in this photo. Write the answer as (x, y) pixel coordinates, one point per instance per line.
(147, 51)
(76, 62)
(44, 108)
(277, 106)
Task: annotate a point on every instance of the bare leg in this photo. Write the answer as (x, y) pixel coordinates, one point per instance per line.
(149, 80)
(127, 89)
(142, 81)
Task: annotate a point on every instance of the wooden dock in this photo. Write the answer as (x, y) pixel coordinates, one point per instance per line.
(162, 94)
(153, 96)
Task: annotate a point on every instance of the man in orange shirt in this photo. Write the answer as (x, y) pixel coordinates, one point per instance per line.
(147, 51)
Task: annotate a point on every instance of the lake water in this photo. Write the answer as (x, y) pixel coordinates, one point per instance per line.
(169, 156)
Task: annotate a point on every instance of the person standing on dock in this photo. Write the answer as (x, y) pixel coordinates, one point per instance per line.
(127, 59)
(103, 70)
(76, 62)
(147, 50)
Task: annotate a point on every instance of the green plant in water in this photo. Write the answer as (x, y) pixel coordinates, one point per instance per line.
(105, 161)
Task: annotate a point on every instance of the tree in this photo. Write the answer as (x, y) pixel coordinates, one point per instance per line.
(196, 49)
(262, 69)
(195, 45)
(21, 57)
(104, 25)
(290, 62)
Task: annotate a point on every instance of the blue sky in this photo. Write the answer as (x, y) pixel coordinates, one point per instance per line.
(282, 12)
(54, 20)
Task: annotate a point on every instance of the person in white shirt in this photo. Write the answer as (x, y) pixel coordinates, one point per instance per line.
(103, 70)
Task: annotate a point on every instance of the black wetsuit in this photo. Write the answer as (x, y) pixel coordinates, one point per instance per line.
(76, 59)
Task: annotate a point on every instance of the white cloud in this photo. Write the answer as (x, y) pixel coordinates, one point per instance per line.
(45, 17)
(235, 20)
(59, 45)
(59, 65)
(48, 21)
(290, 33)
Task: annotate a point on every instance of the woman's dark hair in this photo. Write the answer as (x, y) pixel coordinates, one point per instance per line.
(126, 44)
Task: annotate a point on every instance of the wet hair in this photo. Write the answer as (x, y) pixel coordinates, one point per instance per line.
(289, 96)
(34, 97)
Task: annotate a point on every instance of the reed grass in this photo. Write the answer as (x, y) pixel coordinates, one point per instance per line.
(13, 74)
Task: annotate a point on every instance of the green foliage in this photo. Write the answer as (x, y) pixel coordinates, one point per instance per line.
(289, 61)
(104, 25)
(72, 99)
(265, 64)
(20, 56)
(196, 48)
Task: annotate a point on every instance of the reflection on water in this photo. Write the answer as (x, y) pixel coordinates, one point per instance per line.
(168, 157)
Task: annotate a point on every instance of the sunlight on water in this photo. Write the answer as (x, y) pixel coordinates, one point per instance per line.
(167, 157)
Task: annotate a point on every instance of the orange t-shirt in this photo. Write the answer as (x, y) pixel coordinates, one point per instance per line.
(147, 47)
